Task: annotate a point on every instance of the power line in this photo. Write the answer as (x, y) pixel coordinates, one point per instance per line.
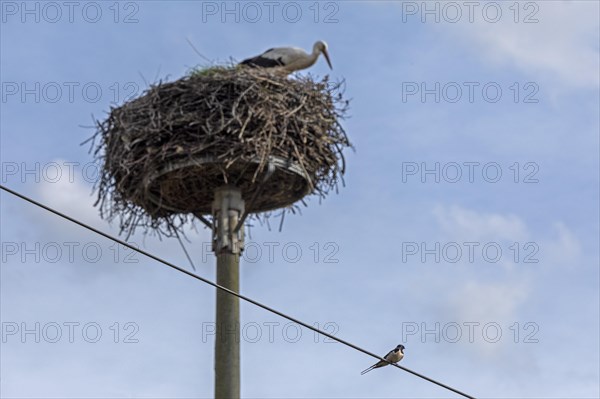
(245, 298)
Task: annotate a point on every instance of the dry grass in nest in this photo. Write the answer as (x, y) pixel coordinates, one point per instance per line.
(164, 153)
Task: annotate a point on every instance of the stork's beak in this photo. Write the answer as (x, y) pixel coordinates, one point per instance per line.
(326, 54)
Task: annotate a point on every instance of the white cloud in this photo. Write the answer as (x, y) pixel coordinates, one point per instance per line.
(70, 196)
(556, 247)
(489, 310)
(501, 295)
(562, 45)
(483, 302)
(565, 250)
(469, 225)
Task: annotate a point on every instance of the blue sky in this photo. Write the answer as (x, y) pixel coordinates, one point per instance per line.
(519, 323)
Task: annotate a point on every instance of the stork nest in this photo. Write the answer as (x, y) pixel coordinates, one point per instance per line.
(164, 153)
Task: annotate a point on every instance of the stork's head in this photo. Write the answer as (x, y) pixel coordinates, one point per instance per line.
(321, 47)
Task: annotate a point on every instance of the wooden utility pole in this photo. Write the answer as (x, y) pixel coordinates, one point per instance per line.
(228, 209)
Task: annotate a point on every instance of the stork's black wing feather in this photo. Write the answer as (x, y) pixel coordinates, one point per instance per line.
(262, 62)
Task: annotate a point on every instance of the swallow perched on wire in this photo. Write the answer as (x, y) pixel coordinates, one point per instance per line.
(393, 356)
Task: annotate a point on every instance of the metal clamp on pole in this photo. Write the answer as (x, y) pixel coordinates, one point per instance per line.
(228, 209)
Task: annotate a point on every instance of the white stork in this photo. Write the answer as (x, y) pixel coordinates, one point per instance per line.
(289, 59)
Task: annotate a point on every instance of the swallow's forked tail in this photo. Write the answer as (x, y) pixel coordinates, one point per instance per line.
(367, 370)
